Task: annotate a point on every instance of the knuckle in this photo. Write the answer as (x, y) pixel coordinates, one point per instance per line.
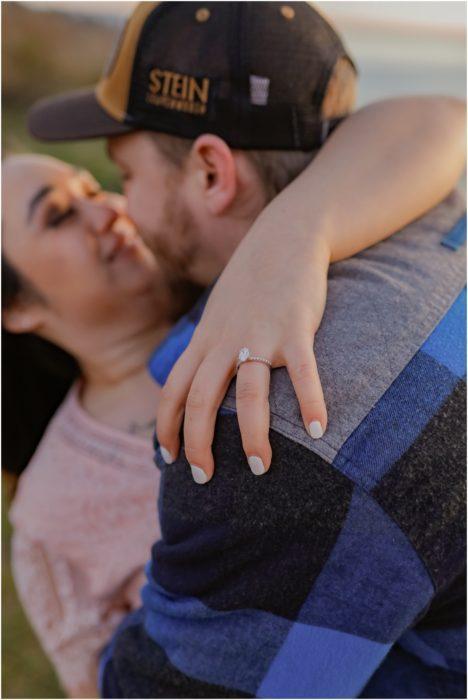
(247, 392)
(196, 400)
(303, 370)
(168, 393)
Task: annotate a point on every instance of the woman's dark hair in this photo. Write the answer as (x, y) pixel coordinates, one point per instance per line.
(36, 375)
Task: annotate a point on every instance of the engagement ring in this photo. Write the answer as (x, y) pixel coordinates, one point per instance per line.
(245, 356)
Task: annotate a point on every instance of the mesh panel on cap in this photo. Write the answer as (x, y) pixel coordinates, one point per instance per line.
(247, 72)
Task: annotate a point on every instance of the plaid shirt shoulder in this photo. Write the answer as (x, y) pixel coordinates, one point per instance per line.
(317, 580)
(326, 580)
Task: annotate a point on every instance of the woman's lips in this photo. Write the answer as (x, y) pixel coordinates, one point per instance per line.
(110, 243)
(114, 243)
(120, 239)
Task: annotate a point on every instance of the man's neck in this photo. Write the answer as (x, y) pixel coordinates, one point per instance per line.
(207, 267)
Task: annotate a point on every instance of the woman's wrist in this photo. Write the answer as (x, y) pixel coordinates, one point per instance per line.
(304, 236)
(320, 242)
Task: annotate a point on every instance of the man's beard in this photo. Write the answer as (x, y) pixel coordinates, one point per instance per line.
(176, 243)
(176, 250)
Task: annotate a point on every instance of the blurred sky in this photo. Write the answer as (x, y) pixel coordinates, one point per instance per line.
(400, 47)
(439, 14)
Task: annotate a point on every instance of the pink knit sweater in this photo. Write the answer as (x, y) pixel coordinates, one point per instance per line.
(84, 521)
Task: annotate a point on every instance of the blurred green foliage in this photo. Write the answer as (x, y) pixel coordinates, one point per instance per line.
(43, 53)
(89, 154)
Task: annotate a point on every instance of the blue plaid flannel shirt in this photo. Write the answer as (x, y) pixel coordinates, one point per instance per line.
(318, 580)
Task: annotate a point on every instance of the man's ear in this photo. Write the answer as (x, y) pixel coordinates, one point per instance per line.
(214, 167)
(23, 318)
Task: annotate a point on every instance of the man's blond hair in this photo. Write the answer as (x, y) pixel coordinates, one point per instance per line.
(278, 168)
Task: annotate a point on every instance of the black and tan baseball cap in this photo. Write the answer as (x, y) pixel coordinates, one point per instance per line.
(254, 73)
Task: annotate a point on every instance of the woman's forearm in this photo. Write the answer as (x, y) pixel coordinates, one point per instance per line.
(383, 167)
(386, 165)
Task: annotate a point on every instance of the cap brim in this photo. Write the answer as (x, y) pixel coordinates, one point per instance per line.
(72, 116)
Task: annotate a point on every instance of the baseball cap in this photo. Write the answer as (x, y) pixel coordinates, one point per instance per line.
(253, 73)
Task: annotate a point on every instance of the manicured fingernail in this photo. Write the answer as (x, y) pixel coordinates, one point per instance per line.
(198, 474)
(166, 455)
(315, 429)
(256, 465)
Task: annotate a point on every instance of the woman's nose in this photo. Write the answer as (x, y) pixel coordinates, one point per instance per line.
(99, 215)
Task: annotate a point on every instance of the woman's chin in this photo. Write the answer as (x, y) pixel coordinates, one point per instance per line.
(132, 278)
(131, 261)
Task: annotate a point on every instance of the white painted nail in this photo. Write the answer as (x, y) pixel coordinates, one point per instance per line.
(315, 429)
(256, 465)
(198, 474)
(166, 455)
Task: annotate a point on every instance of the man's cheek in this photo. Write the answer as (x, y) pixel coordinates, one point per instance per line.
(137, 209)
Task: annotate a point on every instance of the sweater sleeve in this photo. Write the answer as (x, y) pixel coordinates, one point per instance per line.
(295, 584)
(72, 631)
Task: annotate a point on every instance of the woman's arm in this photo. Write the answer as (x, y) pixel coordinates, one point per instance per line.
(387, 164)
(384, 166)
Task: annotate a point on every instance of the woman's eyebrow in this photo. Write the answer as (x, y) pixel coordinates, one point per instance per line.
(36, 199)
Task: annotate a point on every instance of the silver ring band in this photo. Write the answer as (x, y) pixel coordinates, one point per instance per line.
(245, 356)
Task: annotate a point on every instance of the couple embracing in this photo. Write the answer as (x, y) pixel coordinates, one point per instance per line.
(297, 551)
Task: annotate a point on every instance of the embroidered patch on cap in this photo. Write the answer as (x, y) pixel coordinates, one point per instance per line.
(184, 93)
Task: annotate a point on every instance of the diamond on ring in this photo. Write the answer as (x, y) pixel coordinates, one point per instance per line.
(246, 356)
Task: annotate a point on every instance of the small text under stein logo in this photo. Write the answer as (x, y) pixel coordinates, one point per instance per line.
(183, 93)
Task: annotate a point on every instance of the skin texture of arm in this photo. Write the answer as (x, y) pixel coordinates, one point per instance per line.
(389, 163)
(383, 167)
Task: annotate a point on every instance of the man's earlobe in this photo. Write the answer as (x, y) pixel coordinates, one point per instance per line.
(216, 171)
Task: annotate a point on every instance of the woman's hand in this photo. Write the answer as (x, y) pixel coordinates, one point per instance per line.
(276, 297)
(387, 164)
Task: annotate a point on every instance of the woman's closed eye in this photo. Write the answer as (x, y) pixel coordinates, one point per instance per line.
(55, 217)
